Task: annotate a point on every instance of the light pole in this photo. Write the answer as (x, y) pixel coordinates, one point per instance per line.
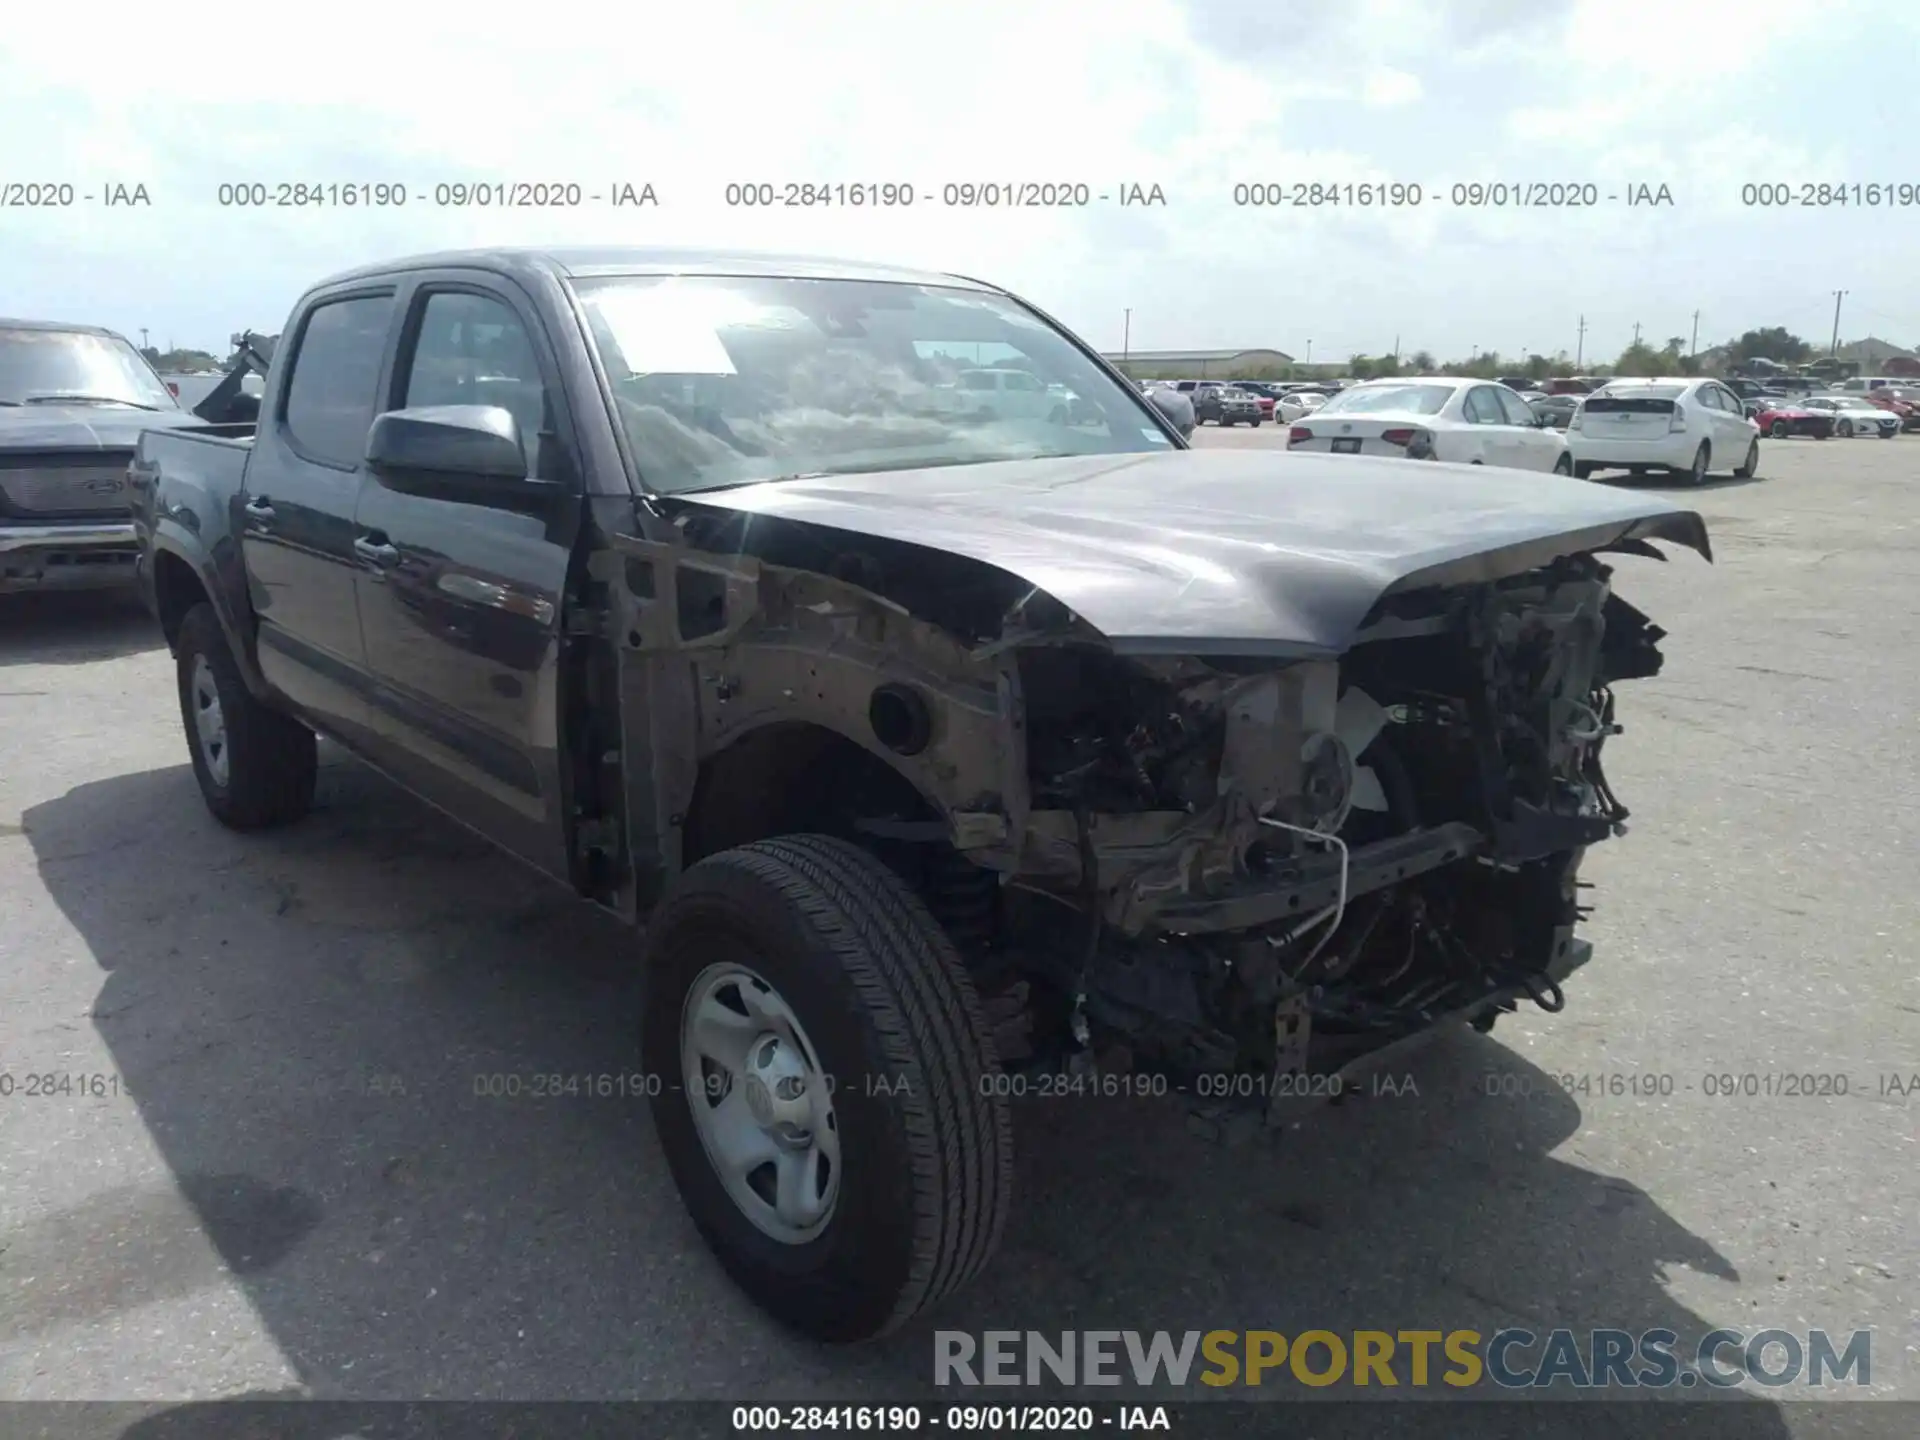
(1834, 348)
(143, 337)
(1126, 339)
(1309, 359)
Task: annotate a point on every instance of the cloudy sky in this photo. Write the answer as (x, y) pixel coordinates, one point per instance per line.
(1197, 98)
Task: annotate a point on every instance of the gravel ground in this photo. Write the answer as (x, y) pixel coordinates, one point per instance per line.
(286, 1184)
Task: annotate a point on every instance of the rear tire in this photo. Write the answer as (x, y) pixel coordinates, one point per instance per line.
(1563, 466)
(1780, 430)
(256, 766)
(1697, 474)
(1750, 464)
(1844, 429)
(889, 1016)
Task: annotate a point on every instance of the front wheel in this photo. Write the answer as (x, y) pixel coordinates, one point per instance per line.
(1844, 429)
(829, 1103)
(1750, 464)
(256, 767)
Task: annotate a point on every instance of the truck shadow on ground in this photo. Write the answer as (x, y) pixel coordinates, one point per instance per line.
(334, 1036)
(76, 628)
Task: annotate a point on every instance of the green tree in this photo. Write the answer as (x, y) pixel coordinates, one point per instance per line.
(1642, 359)
(1772, 343)
(1360, 367)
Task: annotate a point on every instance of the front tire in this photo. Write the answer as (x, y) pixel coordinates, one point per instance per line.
(882, 1023)
(1844, 429)
(256, 766)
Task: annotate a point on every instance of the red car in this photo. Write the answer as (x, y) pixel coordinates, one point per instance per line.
(1907, 410)
(1780, 421)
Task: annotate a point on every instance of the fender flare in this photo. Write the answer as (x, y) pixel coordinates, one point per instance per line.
(222, 578)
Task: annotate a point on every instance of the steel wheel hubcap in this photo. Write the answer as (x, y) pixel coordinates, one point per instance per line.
(209, 720)
(761, 1103)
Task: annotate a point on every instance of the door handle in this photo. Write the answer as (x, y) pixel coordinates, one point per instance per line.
(259, 508)
(376, 552)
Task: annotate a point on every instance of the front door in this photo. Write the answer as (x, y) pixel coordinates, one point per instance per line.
(296, 518)
(460, 602)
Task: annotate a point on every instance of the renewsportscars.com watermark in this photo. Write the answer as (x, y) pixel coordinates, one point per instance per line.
(1510, 1359)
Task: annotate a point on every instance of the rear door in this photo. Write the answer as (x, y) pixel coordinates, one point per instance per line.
(302, 483)
(460, 602)
(1535, 448)
(1489, 437)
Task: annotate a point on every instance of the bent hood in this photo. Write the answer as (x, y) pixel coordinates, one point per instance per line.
(1228, 551)
(82, 427)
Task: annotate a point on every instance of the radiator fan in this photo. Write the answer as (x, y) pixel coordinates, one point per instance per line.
(1340, 727)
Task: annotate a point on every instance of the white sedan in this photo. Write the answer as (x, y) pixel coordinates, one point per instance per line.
(1469, 422)
(1682, 426)
(1290, 407)
(1854, 416)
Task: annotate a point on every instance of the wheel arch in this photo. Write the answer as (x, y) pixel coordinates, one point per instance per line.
(180, 582)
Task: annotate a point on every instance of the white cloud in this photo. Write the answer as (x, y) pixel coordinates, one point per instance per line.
(1387, 89)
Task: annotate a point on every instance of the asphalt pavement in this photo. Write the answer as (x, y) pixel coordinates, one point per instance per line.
(272, 1169)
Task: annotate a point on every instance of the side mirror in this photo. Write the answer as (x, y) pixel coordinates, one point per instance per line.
(478, 443)
(469, 454)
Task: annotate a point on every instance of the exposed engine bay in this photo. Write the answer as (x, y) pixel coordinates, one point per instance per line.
(1198, 865)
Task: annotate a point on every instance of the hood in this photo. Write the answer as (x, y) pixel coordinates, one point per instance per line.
(1227, 551)
(81, 427)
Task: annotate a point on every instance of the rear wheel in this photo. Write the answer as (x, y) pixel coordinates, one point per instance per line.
(1696, 473)
(1780, 430)
(255, 766)
(1563, 466)
(1844, 429)
(829, 1105)
(1750, 464)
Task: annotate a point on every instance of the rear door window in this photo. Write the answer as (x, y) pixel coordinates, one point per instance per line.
(336, 379)
(1482, 406)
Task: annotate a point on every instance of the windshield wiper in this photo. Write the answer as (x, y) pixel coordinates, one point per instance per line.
(79, 399)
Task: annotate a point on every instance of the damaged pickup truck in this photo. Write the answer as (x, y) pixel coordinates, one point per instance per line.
(925, 744)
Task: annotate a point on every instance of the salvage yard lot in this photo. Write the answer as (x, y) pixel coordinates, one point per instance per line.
(280, 1172)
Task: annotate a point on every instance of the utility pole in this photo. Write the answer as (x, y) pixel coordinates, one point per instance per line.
(1580, 344)
(143, 337)
(1834, 348)
(1636, 334)
(1693, 348)
(1396, 352)
(1309, 359)
(1126, 339)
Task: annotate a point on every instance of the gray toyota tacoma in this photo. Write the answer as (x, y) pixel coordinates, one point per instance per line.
(932, 750)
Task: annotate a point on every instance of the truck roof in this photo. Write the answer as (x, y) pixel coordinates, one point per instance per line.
(60, 325)
(580, 262)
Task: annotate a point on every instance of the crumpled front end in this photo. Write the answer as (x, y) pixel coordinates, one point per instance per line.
(1266, 872)
(1238, 870)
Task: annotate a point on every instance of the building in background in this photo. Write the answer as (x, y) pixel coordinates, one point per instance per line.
(1202, 364)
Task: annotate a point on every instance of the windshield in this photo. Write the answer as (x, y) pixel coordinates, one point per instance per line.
(39, 367)
(729, 380)
(1373, 399)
